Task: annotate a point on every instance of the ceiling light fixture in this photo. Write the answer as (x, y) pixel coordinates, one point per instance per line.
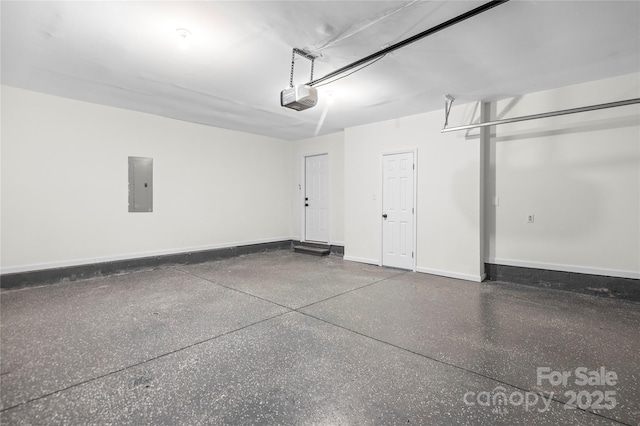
(184, 38)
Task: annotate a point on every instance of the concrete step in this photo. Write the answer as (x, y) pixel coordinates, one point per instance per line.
(315, 250)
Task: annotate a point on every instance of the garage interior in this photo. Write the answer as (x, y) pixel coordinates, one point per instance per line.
(473, 198)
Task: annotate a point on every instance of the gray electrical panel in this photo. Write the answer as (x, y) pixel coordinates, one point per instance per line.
(140, 184)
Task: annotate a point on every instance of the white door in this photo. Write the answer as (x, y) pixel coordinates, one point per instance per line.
(317, 198)
(397, 210)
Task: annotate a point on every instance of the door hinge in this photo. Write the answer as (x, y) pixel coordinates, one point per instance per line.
(412, 255)
(413, 210)
(414, 166)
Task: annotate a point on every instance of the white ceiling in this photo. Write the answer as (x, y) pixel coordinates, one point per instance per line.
(125, 54)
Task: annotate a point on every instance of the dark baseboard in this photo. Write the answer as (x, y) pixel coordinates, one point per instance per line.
(73, 273)
(598, 285)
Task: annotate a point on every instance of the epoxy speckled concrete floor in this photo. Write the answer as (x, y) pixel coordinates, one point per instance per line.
(284, 338)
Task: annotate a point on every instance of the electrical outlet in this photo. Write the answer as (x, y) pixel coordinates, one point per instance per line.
(530, 218)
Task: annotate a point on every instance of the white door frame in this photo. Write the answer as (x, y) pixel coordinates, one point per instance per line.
(415, 202)
(303, 190)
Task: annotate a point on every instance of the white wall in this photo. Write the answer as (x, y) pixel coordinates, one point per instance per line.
(64, 184)
(333, 145)
(449, 179)
(578, 174)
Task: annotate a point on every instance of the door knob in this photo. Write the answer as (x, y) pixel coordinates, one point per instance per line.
(384, 215)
